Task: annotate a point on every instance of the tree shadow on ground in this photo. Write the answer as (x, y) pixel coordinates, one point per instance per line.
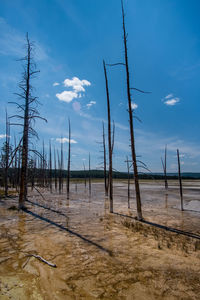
(190, 234)
(48, 208)
(68, 230)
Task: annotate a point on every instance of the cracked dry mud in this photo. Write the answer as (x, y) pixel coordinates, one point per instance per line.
(101, 255)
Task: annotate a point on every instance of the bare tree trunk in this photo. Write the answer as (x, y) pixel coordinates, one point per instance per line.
(180, 180)
(109, 142)
(30, 113)
(69, 159)
(23, 181)
(135, 169)
(104, 163)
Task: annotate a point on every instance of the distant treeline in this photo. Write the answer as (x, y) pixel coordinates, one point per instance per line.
(100, 174)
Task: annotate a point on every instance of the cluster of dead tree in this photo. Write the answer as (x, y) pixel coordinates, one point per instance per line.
(45, 168)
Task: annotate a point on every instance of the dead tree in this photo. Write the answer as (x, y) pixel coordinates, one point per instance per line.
(104, 162)
(89, 175)
(30, 114)
(132, 138)
(164, 165)
(69, 159)
(180, 180)
(109, 141)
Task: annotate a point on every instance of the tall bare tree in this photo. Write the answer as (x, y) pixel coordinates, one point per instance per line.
(109, 141)
(30, 114)
(132, 138)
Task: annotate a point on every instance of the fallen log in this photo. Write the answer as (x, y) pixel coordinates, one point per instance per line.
(43, 260)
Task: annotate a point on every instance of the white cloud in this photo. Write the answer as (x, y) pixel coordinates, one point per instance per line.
(169, 96)
(90, 104)
(56, 83)
(76, 84)
(2, 136)
(67, 96)
(172, 102)
(65, 140)
(134, 105)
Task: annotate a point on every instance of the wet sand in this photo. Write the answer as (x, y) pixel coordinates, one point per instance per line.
(101, 255)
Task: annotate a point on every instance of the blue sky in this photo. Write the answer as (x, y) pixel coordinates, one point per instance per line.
(72, 38)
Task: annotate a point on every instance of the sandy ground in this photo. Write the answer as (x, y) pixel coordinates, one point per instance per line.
(101, 255)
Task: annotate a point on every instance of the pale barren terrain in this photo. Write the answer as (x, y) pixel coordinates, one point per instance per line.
(101, 255)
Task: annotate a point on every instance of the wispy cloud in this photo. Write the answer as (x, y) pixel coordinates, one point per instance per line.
(76, 106)
(76, 84)
(170, 100)
(67, 96)
(56, 83)
(169, 96)
(90, 104)
(65, 140)
(12, 42)
(2, 136)
(89, 117)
